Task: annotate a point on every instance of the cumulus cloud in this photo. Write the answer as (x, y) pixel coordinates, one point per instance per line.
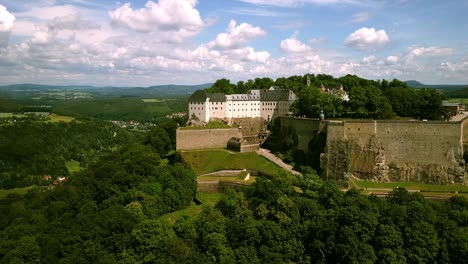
(249, 54)
(7, 20)
(237, 35)
(367, 39)
(369, 59)
(293, 45)
(391, 60)
(460, 67)
(166, 15)
(429, 51)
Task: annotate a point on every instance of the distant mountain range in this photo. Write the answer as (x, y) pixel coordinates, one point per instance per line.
(416, 84)
(158, 90)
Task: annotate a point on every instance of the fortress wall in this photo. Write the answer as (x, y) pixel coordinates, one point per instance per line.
(409, 141)
(464, 132)
(250, 126)
(205, 138)
(299, 130)
(422, 151)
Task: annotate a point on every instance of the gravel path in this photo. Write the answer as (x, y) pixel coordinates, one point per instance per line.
(267, 154)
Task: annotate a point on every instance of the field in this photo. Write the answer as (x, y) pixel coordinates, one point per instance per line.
(20, 191)
(59, 118)
(458, 100)
(206, 161)
(207, 199)
(8, 115)
(120, 108)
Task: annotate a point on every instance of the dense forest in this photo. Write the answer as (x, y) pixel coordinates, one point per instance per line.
(111, 213)
(367, 98)
(113, 210)
(29, 150)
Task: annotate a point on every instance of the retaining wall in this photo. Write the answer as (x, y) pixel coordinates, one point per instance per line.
(205, 138)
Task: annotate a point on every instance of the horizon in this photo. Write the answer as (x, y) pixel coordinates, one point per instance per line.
(150, 43)
(196, 84)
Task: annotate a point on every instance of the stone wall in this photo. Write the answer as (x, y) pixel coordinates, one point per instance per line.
(298, 132)
(384, 151)
(205, 138)
(218, 186)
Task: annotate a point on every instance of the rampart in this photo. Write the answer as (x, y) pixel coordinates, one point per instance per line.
(421, 151)
(205, 138)
(388, 151)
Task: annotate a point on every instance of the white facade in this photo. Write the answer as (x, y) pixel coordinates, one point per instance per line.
(267, 103)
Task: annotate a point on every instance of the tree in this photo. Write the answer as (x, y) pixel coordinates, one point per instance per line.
(222, 86)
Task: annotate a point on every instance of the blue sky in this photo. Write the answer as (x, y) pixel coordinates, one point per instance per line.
(142, 43)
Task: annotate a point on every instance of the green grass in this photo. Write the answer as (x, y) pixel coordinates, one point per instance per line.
(8, 115)
(207, 199)
(21, 191)
(206, 161)
(458, 100)
(409, 185)
(252, 179)
(73, 166)
(59, 118)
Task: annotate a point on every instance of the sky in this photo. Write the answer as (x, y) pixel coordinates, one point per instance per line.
(144, 43)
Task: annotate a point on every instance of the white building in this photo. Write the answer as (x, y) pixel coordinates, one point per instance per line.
(267, 103)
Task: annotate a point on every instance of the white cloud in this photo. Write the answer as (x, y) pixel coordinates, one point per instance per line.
(391, 60)
(166, 15)
(429, 51)
(293, 45)
(48, 12)
(367, 39)
(249, 54)
(360, 17)
(460, 67)
(7, 20)
(296, 3)
(237, 35)
(369, 59)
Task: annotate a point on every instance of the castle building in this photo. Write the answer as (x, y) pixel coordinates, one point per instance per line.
(266, 103)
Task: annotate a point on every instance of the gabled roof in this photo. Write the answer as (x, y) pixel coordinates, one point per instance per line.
(201, 96)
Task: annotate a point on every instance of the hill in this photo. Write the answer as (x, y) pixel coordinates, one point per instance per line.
(416, 84)
(32, 90)
(458, 93)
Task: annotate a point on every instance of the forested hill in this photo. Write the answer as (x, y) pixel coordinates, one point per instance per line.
(379, 99)
(19, 90)
(416, 84)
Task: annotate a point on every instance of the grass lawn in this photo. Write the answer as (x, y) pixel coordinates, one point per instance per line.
(409, 185)
(252, 179)
(60, 118)
(206, 161)
(458, 100)
(73, 166)
(4, 193)
(8, 115)
(207, 199)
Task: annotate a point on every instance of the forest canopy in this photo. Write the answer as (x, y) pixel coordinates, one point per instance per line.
(367, 98)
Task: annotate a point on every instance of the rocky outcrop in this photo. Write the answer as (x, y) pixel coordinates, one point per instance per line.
(367, 155)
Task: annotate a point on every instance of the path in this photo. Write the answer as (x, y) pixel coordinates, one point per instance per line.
(459, 117)
(267, 154)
